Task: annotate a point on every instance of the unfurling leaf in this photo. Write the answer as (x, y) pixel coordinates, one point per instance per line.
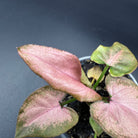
(84, 79)
(60, 69)
(119, 117)
(95, 73)
(97, 129)
(42, 116)
(118, 57)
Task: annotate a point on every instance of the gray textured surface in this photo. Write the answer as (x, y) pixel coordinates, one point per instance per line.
(77, 26)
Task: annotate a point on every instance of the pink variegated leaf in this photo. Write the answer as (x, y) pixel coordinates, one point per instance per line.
(60, 69)
(119, 117)
(42, 116)
(118, 57)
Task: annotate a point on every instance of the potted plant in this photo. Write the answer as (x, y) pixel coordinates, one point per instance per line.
(45, 113)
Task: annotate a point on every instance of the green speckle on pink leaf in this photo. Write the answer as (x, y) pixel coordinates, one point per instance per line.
(42, 116)
(119, 117)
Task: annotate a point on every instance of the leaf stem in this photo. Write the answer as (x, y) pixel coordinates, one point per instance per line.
(67, 102)
(101, 76)
(95, 136)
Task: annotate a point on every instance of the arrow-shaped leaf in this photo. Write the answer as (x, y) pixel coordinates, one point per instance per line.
(42, 116)
(118, 57)
(119, 117)
(60, 69)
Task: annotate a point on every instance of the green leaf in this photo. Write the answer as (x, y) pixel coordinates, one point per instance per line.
(42, 116)
(97, 129)
(118, 57)
(84, 79)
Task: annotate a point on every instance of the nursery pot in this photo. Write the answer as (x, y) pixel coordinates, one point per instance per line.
(83, 128)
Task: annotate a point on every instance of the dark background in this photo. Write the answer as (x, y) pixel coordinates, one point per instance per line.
(77, 26)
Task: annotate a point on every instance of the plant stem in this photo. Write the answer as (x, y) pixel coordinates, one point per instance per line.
(67, 102)
(101, 76)
(95, 136)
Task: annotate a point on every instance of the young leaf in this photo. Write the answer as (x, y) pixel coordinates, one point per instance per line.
(60, 69)
(95, 73)
(118, 57)
(42, 116)
(97, 129)
(119, 117)
(84, 79)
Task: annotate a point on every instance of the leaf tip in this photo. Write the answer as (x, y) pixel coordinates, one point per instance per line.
(24, 47)
(18, 48)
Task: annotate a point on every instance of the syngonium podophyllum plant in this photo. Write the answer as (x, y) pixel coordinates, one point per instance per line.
(43, 113)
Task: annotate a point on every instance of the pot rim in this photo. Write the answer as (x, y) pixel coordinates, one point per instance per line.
(88, 57)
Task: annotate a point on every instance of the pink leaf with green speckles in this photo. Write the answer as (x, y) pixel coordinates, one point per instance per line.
(42, 116)
(119, 117)
(118, 57)
(60, 69)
